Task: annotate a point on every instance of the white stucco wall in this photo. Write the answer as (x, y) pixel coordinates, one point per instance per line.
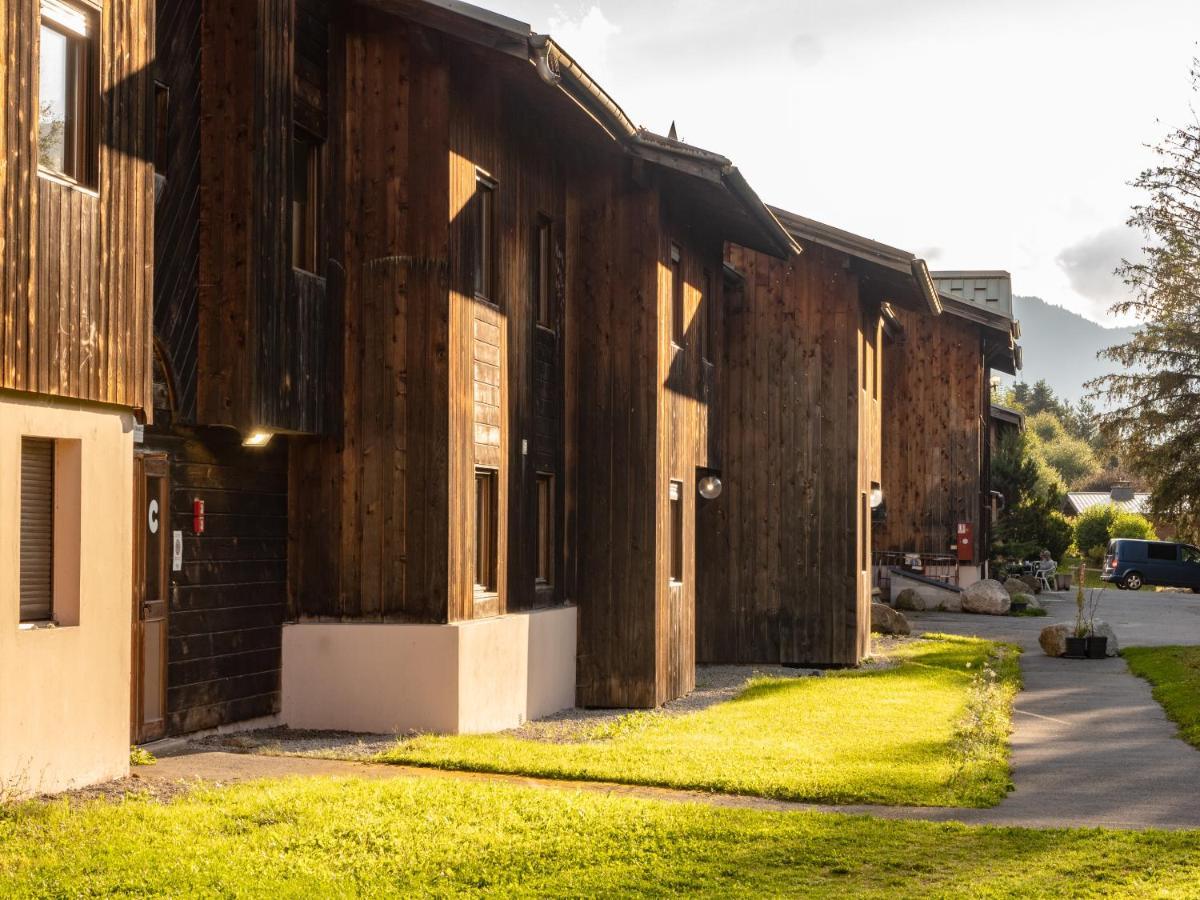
(64, 692)
(465, 678)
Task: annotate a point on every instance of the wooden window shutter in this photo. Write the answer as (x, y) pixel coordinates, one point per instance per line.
(37, 530)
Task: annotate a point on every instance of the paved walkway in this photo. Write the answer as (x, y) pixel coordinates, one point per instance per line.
(1091, 747)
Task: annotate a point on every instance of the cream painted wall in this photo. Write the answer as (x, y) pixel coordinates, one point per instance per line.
(464, 678)
(64, 692)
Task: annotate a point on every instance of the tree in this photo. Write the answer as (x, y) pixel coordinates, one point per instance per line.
(1031, 520)
(1155, 399)
(1066, 454)
(1097, 525)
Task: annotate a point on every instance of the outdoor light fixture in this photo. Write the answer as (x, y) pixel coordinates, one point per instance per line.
(710, 487)
(876, 497)
(257, 439)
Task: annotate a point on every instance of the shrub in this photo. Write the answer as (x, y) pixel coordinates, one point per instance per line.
(1093, 527)
(1096, 526)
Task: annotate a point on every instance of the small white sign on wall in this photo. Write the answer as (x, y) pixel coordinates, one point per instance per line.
(177, 552)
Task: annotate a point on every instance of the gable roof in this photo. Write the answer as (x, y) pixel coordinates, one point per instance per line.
(909, 271)
(710, 176)
(984, 296)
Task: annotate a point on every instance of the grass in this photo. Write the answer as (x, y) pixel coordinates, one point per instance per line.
(412, 837)
(1174, 672)
(931, 731)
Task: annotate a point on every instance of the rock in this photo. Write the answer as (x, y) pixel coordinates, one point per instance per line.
(1032, 585)
(886, 620)
(1103, 629)
(1015, 586)
(1054, 639)
(987, 597)
(912, 601)
(1034, 603)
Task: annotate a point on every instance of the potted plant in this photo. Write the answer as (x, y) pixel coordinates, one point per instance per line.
(1085, 643)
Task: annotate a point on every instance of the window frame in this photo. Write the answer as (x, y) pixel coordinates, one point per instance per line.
(162, 122)
(487, 533)
(678, 313)
(307, 235)
(676, 517)
(544, 274)
(545, 546)
(484, 201)
(81, 132)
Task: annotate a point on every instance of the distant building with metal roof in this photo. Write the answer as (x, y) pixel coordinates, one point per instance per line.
(1121, 496)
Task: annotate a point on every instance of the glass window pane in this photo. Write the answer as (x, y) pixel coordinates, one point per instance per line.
(54, 100)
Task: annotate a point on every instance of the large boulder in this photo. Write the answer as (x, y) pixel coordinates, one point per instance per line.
(1032, 585)
(913, 601)
(1103, 629)
(886, 620)
(987, 598)
(1015, 586)
(1054, 638)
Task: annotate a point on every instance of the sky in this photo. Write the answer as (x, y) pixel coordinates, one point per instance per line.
(979, 134)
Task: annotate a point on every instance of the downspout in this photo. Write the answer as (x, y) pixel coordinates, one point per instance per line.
(539, 49)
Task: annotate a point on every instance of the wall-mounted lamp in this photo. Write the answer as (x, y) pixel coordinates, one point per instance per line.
(257, 439)
(876, 496)
(710, 487)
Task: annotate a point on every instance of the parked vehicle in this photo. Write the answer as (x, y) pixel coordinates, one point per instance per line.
(1130, 564)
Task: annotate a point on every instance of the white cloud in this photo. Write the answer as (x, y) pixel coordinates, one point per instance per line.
(587, 37)
(1090, 264)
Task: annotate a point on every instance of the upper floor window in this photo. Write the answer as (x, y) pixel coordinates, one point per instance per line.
(708, 318)
(162, 119)
(69, 92)
(306, 202)
(485, 237)
(543, 273)
(677, 312)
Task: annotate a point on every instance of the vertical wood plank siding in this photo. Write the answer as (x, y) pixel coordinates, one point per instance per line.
(76, 266)
(262, 327)
(933, 439)
(780, 580)
(176, 213)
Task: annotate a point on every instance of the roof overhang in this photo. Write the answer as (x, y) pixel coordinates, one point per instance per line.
(1010, 416)
(908, 271)
(717, 182)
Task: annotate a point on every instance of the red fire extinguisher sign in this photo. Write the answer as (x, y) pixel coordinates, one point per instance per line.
(197, 516)
(966, 542)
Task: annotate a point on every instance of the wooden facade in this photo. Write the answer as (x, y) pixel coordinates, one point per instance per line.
(75, 261)
(783, 578)
(935, 454)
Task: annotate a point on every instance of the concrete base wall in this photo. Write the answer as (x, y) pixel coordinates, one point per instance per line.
(64, 691)
(465, 678)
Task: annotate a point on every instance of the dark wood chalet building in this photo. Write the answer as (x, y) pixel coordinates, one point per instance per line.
(937, 411)
(786, 548)
(436, 331)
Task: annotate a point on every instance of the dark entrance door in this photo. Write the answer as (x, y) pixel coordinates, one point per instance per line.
(151, 549)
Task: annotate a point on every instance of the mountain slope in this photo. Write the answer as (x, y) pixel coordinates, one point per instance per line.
(1061, 346)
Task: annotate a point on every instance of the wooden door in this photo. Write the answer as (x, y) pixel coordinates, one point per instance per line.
(151, 549)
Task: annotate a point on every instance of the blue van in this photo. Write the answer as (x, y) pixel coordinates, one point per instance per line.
(1129, 564)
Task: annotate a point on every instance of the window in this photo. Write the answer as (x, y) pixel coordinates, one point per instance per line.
(68, 92)
(1191, 555)
(1166, 552)
(864, 533)
(485, 237)
(543, 273)
(708, 306)
(544, 575)
(37, 530)
(162, 113)
(677, 312)
(676, 514)
(486, 543)
(306, 202)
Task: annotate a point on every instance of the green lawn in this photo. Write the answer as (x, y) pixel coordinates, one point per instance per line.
(326, 838)
(932, 731)
(1175, 674)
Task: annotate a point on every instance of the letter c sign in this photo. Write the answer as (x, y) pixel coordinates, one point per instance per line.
(152, 518)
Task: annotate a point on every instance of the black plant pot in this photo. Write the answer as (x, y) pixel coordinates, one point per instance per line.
(1097, 647)
(1076, 648)
(1018, 606)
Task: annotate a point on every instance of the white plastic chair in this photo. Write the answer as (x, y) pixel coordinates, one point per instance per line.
(1046, 576)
